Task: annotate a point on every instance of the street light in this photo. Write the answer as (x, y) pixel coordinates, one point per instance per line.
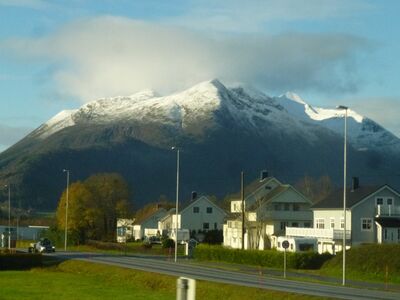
(66, 213)
(345, 108)
(9, 215)
(177, 199)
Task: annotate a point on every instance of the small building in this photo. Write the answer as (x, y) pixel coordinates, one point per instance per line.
(199, 214)
(147, 226)
(124, 230)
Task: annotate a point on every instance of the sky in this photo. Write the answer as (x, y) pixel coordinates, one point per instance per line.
(57, 55)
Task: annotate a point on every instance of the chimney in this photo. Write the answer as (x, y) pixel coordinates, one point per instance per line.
(355, 184)
(263, 175)
(194, 195)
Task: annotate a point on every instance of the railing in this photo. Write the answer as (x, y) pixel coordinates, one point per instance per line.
(388, 210)
(331, 234)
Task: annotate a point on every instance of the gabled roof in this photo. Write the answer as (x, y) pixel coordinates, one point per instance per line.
(335, 199)
(146, 217)
(189, 204)
(253, 187)
(268, 197)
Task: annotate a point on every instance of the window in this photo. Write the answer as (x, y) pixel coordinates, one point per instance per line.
(307, 224)
(196, 209)
(291, 246)
(366, 224)
(295, 224)
(215, 226)
(341, 223)
(320, 223)
(277, 207)
(379, 201)
(389, 201)
(206, 226)
(296, 207)
(283, 225)
(332, 223)
(279, 244)
(286, 206)
(385, 233)
(209, 210)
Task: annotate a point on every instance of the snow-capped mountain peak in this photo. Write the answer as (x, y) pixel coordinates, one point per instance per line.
(194, 110)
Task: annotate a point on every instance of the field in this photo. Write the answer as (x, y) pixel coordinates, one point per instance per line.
(83, 280)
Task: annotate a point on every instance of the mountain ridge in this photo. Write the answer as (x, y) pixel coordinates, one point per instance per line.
(221, 131)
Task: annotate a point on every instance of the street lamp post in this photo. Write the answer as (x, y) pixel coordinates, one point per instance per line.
(345, 108)
(9, 216)
(177, 201)
(66, 212)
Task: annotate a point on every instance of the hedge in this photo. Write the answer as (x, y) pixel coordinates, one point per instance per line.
(20, 261)
(264, 258)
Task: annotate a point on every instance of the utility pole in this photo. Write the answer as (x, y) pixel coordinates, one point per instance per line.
(66, 213)
(243, 205)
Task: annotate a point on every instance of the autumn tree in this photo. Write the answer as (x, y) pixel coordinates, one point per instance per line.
(94, 206)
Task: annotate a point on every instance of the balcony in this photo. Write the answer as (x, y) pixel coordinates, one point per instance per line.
(387, 211)
(327, 234)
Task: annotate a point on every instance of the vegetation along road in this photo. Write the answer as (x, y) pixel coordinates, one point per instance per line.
(152, 264)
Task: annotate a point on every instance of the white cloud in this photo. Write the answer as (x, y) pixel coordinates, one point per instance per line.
(107, 56)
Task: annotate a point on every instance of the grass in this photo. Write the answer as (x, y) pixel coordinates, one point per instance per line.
(82, 280)
(377, 263)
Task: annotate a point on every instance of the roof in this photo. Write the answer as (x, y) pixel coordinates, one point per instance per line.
(388, 222)
(191, 202)
(335, 199)
(251, 188)
(276, 191)
(147, 216)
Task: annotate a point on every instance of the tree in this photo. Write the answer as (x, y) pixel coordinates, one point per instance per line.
(94, 207)
(315, 189)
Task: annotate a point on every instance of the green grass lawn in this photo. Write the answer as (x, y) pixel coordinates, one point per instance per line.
(82, 280)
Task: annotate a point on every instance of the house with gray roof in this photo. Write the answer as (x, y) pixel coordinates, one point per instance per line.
(269, 207)
(372, 216)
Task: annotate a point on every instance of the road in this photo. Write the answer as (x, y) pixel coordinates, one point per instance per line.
(182, 268)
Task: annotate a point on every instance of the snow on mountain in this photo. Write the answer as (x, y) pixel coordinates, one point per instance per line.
(196, 108)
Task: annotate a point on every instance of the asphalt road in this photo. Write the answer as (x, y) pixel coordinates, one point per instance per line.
(158, 265)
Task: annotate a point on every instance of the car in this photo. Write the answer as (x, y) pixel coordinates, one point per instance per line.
(42, 246)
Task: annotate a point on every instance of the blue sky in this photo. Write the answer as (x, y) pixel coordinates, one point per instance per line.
(57, 55)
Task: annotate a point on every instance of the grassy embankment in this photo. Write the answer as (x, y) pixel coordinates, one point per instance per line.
(83, 280)
(379, 263)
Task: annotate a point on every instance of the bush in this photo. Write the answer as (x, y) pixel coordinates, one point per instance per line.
(20, 261)
(264, 258)
(105, 245)
(168, 243)
(146, 245)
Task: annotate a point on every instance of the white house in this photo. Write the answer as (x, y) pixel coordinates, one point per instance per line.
(372, 216)
(200, 214)
(270, 206)
(148, 226)
(124, 229)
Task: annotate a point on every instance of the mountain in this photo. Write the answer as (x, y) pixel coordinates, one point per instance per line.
(220, 130)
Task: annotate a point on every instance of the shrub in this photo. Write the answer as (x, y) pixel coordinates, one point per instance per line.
(20, 261)
(265, 258)
(168, 243)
